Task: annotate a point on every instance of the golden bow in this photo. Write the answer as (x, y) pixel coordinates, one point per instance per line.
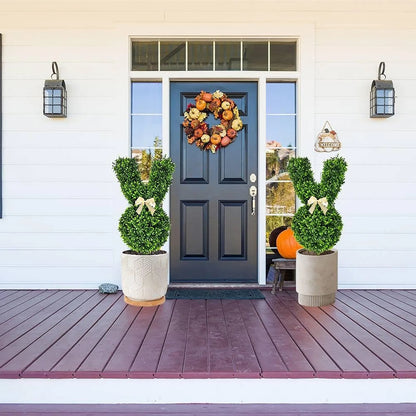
(322, 202)
(141, 202)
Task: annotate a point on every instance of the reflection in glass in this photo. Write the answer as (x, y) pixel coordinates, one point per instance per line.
(144, 159)
(144, 56)
(227, 56)
(146, 97)
(255, 56)
(200, 56)
(145, 129)
(280, 197)
(172, 56)
(276, 163)
(273, 222)
(282, 56)
(281, 97)
(281, 130)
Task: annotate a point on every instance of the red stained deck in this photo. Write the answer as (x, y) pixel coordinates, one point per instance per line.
(83, 334)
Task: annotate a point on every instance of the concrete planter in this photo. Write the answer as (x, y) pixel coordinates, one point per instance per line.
(316, 278)
(144, 278)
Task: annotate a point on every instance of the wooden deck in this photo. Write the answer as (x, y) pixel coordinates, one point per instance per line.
(83, 334)
(211, 410)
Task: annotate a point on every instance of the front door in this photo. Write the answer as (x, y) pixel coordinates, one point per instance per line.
(213, 221)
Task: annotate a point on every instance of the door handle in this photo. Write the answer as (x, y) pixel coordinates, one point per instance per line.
(253, 193)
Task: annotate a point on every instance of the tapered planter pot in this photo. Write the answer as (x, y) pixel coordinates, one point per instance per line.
(316, 278)
(144, 278)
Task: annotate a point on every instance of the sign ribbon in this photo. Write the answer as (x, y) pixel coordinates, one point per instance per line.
(322, 202)
(141, 202)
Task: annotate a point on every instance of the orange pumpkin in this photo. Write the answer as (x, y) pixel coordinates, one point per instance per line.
(198, 133)
(227, 115)
(201, 105)
(215, 139)
(206, 96)
(287, 245)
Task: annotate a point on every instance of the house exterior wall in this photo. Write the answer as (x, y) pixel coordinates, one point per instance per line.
(61, 201)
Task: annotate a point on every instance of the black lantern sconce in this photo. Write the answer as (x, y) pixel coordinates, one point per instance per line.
(54, 95)
(381, 96)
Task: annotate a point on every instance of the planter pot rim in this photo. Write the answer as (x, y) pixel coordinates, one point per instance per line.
(325, 253)
(135, 253)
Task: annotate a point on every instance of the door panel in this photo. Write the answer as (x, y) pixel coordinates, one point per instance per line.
(213, 235)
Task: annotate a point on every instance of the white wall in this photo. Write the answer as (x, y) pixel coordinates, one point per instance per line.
(61, 203)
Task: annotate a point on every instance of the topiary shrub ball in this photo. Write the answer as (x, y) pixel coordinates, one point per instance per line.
(318, 231)
(147, 231)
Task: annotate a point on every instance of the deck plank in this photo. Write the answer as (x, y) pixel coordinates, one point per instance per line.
(21, 296)
(173, 352)
(268, 357)
(31, 315)
(244, 357)
(397, 301)
(105, 348)
(68, 352)
(196, 353)
(126, 351)
(348, 364)
(383, 313)
(46, 335)
(293, 357)
(209, 409)
(24, 335)
(147, 359)
(373, 318)
(220, 357)
(322, 363)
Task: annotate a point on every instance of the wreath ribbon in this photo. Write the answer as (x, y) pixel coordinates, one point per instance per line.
(322, 202)
(141, 202)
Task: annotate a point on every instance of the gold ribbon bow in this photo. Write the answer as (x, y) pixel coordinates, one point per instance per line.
(322, 202)
(141, 202)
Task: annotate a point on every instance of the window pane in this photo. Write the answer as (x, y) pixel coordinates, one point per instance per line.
(255, 56)
(144, 159)
(200, 56)
(283, 56)
(145, 130)
(172, 56)
(146, 98)
(227, 56)
(281, 129)
(280, 197)
(144, 56)
(281, 97)
(276, 162)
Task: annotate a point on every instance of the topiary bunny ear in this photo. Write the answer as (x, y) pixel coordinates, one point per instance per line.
(160, 178)
(301, 174)
(333, 176)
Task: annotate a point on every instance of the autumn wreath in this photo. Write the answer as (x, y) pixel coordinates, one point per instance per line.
(200, 133)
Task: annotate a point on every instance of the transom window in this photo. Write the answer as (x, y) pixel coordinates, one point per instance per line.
(195, 55)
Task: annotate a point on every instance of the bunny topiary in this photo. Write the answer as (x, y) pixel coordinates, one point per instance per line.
(144, 226)
(317, 225)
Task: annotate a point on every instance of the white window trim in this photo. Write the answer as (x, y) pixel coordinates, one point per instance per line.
(305, 90)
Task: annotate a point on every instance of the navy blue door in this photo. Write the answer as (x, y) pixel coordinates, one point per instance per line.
(214, 234)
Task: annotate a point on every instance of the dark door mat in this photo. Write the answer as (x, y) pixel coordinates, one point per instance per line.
(183, 293)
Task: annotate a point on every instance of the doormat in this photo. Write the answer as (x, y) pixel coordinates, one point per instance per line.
(200, 293)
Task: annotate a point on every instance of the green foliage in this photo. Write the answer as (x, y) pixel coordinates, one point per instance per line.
(317, 232)
(144, 233)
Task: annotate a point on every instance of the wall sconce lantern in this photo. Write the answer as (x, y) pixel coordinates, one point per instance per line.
(381, 96)
(54, 95)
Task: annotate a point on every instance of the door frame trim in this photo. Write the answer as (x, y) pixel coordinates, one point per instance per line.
(305, 120)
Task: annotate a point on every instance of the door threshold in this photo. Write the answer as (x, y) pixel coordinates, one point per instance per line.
(221, 285)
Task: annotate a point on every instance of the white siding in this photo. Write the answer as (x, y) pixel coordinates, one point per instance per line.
(61, 202)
